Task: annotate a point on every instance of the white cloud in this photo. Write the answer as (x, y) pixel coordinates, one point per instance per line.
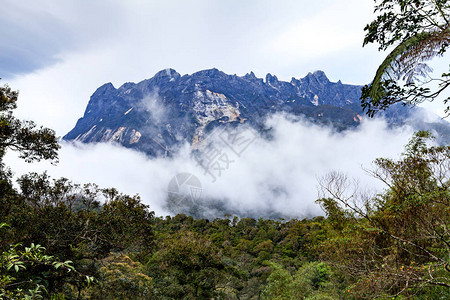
(279, 175)
(117, 41)
(153, 104)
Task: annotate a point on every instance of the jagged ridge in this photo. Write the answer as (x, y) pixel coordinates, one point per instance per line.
(158, 114)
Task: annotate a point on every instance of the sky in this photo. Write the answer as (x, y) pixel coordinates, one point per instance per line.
(57, 53)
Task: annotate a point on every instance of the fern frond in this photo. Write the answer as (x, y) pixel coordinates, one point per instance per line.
(406, 61)
(412, 61)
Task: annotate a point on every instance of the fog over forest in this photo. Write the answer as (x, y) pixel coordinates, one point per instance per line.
(276, 176)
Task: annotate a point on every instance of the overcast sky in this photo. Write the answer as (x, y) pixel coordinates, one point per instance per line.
(58, 52)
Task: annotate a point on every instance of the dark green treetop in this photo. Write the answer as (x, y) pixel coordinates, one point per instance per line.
(33, 143)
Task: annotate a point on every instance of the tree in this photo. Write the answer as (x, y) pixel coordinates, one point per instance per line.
(419, 30)
(187, 265)
(397, 242)
(279, 284)
(121, 278)
(33, 143)
(70, 222)
(312, 281)
(25, 272)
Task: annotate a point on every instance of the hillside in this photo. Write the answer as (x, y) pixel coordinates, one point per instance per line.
(157, 115)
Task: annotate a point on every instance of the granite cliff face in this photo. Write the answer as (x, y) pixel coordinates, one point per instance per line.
(157, 115)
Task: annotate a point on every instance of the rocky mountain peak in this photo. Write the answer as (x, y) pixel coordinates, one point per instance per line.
(271, 79)
(104, 89)
(167, 74)
(159, 114)
(211, 73)
(318, 76)
(250, 76)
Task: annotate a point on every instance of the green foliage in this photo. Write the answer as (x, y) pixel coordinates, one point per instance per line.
(121, 278)
(239, 251)
(189, 264)
(69, 221)
(420, 31)
(27, 273)
(313, 280)
(279, 284)
(397, 243)
(31, 142)
(129, 222)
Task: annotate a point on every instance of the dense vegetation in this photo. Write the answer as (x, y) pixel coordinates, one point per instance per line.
(62, 240)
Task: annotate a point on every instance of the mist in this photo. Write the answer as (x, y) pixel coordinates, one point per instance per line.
(275, 176)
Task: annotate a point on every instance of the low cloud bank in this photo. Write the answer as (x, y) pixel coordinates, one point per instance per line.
(270, 177)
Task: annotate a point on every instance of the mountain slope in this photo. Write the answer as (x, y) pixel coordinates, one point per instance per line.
(157, 115)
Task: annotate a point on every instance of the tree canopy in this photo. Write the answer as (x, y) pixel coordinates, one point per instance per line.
(418, 31)
(397, 242)
(72, 241)
(33, 143)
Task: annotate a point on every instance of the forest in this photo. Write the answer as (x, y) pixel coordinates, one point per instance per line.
(62, 240)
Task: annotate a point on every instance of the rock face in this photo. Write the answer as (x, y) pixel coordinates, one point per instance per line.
(159, 114)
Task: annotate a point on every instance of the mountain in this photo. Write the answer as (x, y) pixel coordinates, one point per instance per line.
(159, 114)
